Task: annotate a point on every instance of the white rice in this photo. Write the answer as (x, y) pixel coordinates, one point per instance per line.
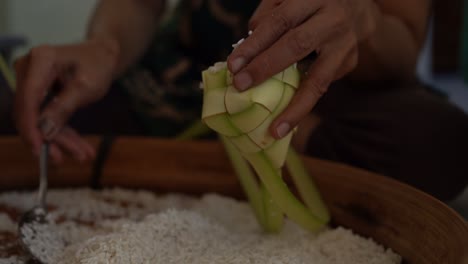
(139, 227)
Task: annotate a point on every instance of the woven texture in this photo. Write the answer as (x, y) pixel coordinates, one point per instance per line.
(245, 117)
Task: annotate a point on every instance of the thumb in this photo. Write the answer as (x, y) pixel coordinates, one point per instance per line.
(56, 114)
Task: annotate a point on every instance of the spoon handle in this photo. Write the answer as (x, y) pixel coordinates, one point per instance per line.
(43, 170)
(44, 155)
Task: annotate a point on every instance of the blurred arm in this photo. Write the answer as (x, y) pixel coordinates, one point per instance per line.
(126, 27)
(392, 51)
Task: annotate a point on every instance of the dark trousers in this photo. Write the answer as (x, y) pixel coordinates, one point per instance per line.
(404, 131)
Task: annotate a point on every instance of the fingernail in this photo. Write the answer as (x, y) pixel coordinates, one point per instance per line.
(283, 129)
(47, 127)
(237, 64)
(243, 81)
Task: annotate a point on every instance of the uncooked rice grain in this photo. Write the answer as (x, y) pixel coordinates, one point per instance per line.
(140, 227)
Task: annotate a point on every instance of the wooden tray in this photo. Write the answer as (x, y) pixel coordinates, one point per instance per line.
(417, 226)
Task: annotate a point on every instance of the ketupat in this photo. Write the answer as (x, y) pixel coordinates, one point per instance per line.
(243, 120)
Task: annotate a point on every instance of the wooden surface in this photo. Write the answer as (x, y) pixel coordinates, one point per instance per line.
(417, 226)
(19, 169)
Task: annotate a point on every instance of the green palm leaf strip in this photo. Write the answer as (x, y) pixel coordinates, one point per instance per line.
(7, 73)
(266, 211)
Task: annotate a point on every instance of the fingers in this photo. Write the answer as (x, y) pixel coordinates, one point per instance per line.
(85, 146)
(286, 32)
(69, 141)
(264, 8)
(57, 112)
(35, 74)
(349, 63)
(286, 16)
(31, 136)
(83, 72)
(55, 115)
(336, 59)
(291, 47)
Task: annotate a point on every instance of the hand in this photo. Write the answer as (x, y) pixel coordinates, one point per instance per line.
(286, 31)
(83, 73)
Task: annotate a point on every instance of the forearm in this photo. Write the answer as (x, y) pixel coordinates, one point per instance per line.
(126, 27)
(392, 51)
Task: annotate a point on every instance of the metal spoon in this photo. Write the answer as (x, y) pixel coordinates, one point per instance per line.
(37, 230)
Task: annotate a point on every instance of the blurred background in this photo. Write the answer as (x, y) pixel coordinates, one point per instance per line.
(49, 21)
(443, 62)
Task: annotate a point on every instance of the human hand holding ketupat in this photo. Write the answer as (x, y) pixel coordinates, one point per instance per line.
(347, 35)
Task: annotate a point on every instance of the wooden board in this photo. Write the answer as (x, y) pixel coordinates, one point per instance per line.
(20, 169)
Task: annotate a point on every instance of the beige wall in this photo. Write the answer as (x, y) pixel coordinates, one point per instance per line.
(48, 21)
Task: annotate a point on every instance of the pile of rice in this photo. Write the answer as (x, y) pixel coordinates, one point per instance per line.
(122, 226)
